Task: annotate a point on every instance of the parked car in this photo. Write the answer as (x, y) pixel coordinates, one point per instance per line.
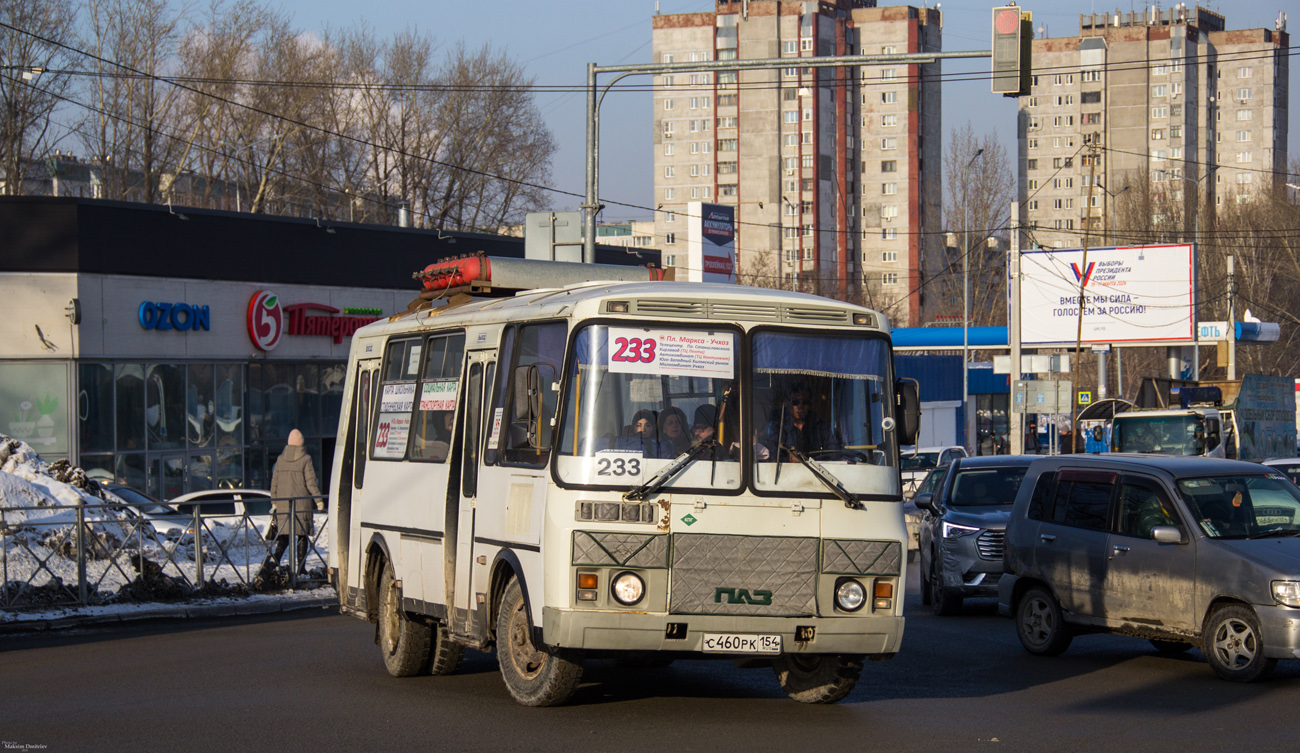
(962, 525)
(915, 463)
(912, 513)
(1289, 466)
(1181, 551)
(148, 507)
(227, 505)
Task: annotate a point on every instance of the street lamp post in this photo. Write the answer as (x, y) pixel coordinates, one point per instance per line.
(965, 310)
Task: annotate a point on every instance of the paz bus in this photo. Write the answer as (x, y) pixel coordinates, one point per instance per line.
(615, 466)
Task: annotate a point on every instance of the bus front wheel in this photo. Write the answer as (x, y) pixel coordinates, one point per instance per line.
(817, 678)
(533, 676)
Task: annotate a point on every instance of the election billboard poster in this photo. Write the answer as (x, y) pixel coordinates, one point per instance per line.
(710, 242)
(1136, 295)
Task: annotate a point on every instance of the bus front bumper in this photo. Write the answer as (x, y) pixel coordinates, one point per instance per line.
(876, 635)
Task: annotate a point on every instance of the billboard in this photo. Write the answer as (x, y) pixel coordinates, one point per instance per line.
(710, 242)
(1137, 295)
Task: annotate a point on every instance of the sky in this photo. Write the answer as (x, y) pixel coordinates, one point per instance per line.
(556, 40)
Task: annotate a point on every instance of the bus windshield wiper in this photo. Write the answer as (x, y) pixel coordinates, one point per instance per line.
(819, 471)
(668, 471)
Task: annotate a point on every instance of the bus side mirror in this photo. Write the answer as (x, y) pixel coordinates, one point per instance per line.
(528, 393)
(908, 397)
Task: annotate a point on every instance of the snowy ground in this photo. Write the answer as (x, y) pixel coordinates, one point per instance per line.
(127, 563)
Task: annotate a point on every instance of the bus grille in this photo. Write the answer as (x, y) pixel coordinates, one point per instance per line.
(990, 544)
(755, 575)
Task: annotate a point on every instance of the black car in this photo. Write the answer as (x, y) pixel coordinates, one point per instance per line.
(962, 527)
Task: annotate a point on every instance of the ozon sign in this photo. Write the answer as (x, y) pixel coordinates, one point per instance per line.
(265, 320)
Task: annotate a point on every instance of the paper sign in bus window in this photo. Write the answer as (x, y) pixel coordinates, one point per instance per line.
(438, 396)
(391, 435)
(397, 398)
(672, 352)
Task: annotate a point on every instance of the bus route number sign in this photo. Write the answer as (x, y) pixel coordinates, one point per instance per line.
(672, 352)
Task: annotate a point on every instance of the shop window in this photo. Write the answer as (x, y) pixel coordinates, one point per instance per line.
(230, 469)
(279, 403)
(306, 399)
(200, 405)
(164, 409)
(228, 404)
(130, 471)
(95, 408)
(331, 398)
(129, 379)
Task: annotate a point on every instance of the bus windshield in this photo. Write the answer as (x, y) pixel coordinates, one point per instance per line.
(824, 397)
(1166, 435)
(638, 397)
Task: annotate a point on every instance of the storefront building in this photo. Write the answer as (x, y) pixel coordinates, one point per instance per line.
(175, 351)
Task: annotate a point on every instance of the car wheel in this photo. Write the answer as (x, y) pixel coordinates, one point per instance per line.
(1040, 625)
(944, 602)
(817, 678)
(1234, 646)
(533, 676)
(1171, 647)
(445, 655)
(403, 642)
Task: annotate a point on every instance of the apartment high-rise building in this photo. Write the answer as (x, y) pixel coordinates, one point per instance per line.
(1168, 96)
(834, 172)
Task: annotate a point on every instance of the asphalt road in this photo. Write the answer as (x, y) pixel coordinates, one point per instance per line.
(315, 683)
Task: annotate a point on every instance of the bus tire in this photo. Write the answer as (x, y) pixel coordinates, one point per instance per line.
(403, 643)
(817, 678)
(533, 676)
(445, 655)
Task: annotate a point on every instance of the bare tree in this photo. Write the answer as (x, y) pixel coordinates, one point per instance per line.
(978, 189)
(29, 96)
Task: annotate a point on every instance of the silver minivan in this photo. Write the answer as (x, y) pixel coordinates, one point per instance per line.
(1184, 552)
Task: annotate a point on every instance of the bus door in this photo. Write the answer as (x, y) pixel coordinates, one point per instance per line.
(479, 366)
(352, 477)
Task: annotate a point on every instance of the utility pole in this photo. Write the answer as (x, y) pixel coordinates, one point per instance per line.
(1013, 329)
(1232, 321)
(1083, 279)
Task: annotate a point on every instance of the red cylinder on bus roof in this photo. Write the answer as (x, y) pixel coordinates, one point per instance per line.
(455, 273)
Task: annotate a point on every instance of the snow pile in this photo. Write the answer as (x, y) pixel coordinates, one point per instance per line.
(126, 560)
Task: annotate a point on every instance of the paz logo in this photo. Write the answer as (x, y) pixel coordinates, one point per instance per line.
(265, 320)
(1083, 276)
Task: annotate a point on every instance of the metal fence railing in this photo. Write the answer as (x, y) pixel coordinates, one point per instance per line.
(92, 555)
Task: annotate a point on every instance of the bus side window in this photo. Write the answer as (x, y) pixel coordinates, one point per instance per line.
(542, 346)
(505, 357)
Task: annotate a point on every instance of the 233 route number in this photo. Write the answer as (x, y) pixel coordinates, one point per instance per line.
(635, 350)
(618, 467)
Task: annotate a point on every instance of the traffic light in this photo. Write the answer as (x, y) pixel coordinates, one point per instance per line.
(1013, 34)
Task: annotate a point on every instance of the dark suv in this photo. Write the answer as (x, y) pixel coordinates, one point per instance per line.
(1184, 552)
(961, 529)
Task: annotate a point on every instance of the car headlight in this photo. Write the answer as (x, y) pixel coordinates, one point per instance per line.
(850, 595)
(1287, 592)
(628, 589)
(954, 531)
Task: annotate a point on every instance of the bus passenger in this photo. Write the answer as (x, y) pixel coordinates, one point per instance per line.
(642, 435)
(672, 432)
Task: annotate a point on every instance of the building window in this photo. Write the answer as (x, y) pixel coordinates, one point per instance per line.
(807, 114)
(889, 211)
(728, 122)
(1175, 111)
(1033, 143)
(1175, 132)
(1244, 178)
(727, 189)
(888, 121)
(806, 160)
(1245, 72)
(695, 193)
(1033, 184)
(669, 149)
(1244, 156)
(889, 189)
(1090, 76)
(670, 194)
(668, 104)
(726, 100)
(1243, 94)
(1243, 136)
(790, 72)
(1245, 115)
(668, 80)
(1160, 112)
(1160, 90)
(889, 142)
(790, 139)
(727, 54)
(1176, 153)
(1033, 101)
(1031, 164)
(889, 98)
(726, 168)
(1157, 134)
(1091, 118)
(668, 171)
(805, 45)
(888, 74)
(695, 171)
(889, 166)
(668, 128)
(791, 116)
(789, 47)
(808, 230)
(670, 216)
(670, 238)
(1032, 204)
(790, 163)
(726, 77)
(891, 255)
(1090, 98)
(726, 145)
(889, 278)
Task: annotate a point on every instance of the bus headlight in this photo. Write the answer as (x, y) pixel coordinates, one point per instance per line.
(849, 595)
(628, 589)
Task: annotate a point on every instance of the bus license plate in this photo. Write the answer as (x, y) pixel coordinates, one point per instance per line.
(729, 643)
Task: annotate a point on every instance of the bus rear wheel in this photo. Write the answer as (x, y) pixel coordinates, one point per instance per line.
(817, 678)
(533, 676)
(403, 642)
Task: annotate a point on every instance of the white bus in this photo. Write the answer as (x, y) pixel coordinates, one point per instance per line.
(642, 471)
